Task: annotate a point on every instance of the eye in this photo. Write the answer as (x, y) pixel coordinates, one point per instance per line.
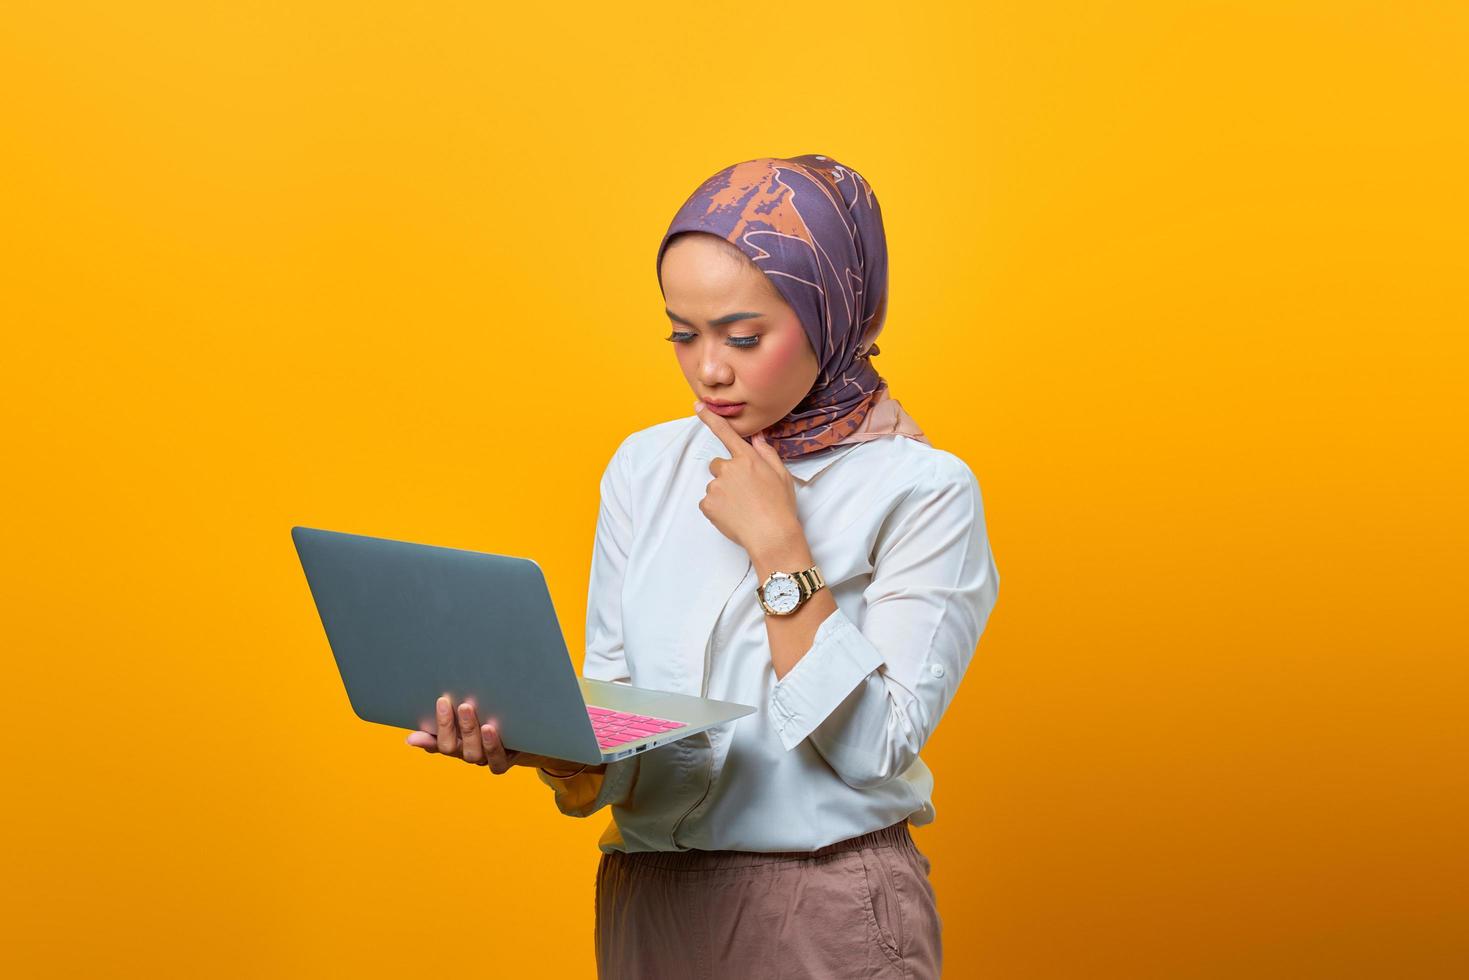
(681, 337)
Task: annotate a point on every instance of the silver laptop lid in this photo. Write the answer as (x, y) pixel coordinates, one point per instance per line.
(408, 622)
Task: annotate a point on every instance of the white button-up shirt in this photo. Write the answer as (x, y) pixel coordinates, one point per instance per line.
(897, 528)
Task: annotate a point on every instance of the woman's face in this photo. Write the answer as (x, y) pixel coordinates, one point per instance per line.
(758, 356)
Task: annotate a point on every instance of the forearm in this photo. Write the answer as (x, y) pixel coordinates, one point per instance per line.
(593, 788)
(874, 735)
(867, 726)
(791, 636)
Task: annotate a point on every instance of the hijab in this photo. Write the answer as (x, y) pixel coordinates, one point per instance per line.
(815, 229)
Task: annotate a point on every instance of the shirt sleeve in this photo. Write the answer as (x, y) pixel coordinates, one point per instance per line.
(869, 694)
(586, 793)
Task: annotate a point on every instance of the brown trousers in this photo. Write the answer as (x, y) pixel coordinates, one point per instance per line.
(859, 908)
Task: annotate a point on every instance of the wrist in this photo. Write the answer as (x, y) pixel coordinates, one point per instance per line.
(789, 553)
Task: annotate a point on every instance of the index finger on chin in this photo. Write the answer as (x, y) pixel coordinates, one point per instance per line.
(725, 432)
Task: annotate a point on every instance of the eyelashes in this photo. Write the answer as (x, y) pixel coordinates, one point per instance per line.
(680, 337)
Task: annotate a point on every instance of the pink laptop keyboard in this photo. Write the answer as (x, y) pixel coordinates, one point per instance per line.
(617, 727)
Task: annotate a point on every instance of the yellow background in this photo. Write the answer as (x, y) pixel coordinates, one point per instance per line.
(1184, 283)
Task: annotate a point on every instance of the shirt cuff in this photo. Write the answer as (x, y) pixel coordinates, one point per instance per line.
(839, 659)
(587, 792)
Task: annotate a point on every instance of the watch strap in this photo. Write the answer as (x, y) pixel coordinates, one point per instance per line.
(810, 580)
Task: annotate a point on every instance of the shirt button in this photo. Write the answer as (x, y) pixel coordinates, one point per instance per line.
(936, 670)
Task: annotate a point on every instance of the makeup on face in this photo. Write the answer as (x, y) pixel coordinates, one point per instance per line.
(734, 340)
(767, 376)
(739, 340)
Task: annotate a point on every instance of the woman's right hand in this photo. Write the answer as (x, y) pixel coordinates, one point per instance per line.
(480, 745)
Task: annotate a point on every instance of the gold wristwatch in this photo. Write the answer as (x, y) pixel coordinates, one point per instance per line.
(784, 592)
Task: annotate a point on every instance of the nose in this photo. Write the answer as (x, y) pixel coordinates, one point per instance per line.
(714, 370)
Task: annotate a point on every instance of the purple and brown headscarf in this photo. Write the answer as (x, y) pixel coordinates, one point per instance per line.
(814, 228)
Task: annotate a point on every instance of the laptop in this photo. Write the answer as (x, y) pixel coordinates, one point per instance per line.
(409, 622)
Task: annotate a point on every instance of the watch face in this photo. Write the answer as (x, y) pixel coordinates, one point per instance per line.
(782, 595)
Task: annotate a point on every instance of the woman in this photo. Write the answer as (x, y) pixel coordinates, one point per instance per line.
(777, 844)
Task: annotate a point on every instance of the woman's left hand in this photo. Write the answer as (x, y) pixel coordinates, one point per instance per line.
(752, 499)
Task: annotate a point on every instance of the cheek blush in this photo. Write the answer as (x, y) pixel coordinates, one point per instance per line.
(771, 373)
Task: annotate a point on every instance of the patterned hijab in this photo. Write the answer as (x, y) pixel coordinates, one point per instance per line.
(814, 228)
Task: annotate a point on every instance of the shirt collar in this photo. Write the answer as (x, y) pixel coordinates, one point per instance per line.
(803, 468)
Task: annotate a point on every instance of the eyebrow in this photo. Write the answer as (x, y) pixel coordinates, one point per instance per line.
(718, 322)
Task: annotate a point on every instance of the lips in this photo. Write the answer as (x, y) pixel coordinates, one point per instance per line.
(726, 409)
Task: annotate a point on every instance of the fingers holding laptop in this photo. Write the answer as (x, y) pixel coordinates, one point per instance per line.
(456, 737)
(447, 740)
(465, 738)
(481, 743)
